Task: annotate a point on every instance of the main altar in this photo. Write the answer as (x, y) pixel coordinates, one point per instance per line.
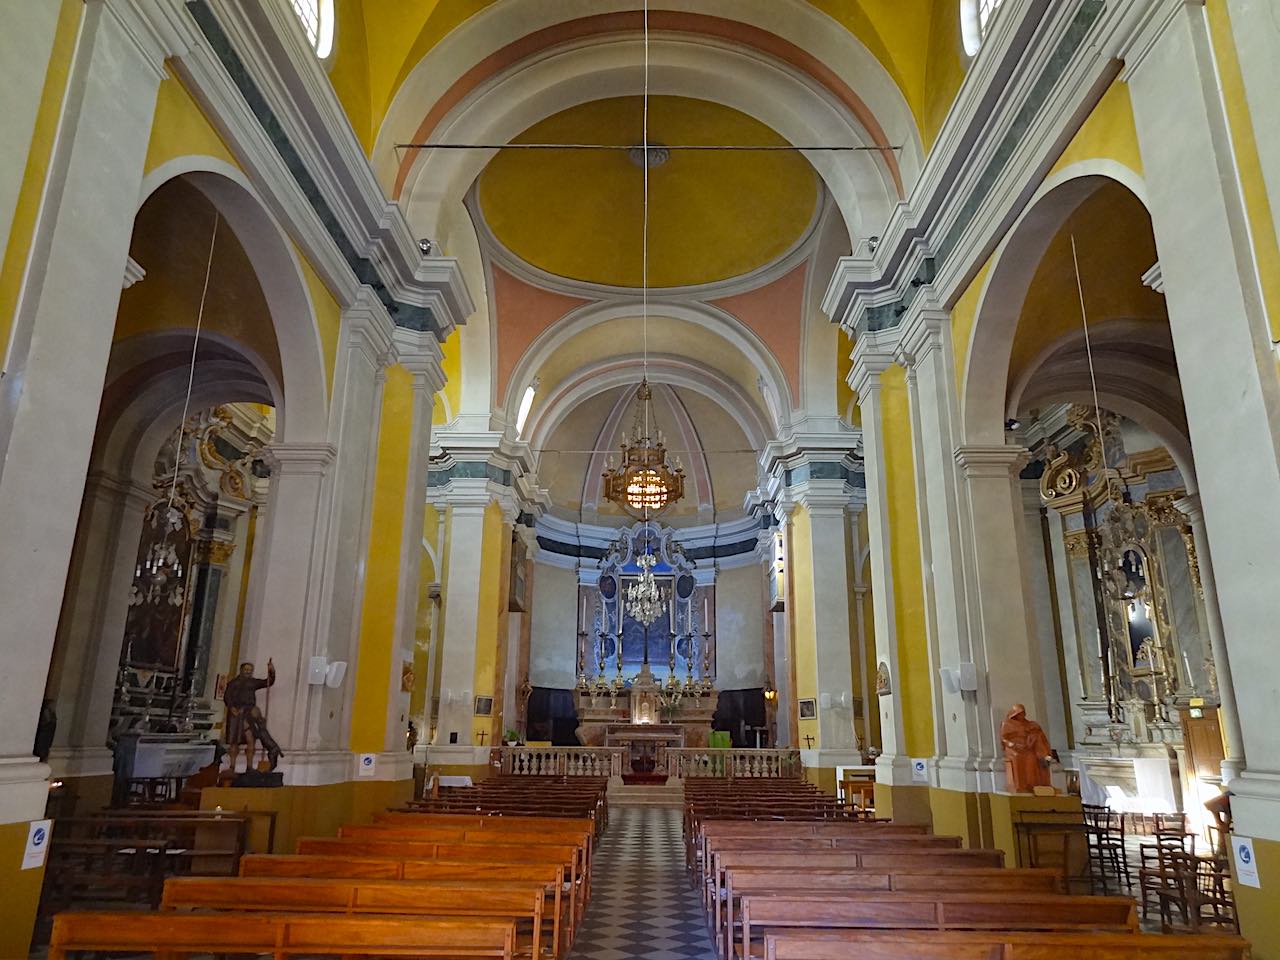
(643, 616)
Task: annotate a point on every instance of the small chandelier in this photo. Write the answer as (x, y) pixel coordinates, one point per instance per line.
(646, 601)
(646, 482)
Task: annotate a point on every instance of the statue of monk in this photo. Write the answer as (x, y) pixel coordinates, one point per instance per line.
(245, 723)
(1026, 751)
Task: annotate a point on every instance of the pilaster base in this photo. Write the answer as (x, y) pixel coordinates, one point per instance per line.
(68, 762)
(458, 760)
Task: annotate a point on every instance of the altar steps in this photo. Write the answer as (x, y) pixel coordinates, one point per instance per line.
(670, 794)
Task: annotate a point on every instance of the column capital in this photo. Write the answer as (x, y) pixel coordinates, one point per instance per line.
(1189, 504)
(297, 459)
(921, 334)
(369, 327)
(130, 492)
(873, 353)
(420, 354)
(992, 461)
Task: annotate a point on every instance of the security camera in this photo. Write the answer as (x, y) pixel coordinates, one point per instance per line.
(427, 247)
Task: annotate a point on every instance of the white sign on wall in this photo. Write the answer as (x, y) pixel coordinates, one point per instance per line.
(368, 764)
(37, 844)
(919, 771)
(1246, 864)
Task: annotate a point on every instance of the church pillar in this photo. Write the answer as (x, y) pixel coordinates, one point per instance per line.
(925, 351)
(1222, 336)
(388, 621)
(871, 358)
(51, 390)
(1007, 658)
(1234, 760)
(284, 614)
(822, 644)
(83, 673)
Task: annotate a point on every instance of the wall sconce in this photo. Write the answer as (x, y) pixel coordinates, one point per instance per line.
(770, 694)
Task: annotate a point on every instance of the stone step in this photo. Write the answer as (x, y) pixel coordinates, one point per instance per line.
(670, 794)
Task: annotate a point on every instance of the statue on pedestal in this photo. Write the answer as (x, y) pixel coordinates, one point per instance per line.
(245, 723)
(1026, 751)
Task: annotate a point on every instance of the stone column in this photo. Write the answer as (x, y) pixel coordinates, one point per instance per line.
(57, 360)
(86, 659)
(1227, 369)
(358, 382)
(1040, 592)
(827, 503)
(925, 351)
(1234, 761)
(208, 573)
(871, 357)
(1007, 658)
(285, 606)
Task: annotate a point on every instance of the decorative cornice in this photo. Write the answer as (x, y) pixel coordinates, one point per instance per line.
(1154, 278)
(990, 460)
(874, 352)
(133, 273)
(295, 459)
(419, 353)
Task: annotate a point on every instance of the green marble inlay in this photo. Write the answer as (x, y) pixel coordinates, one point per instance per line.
(403, 314)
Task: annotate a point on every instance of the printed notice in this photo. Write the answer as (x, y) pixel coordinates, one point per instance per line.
(1246, 864)
(368, 764)
(37, 844)
(919, 773)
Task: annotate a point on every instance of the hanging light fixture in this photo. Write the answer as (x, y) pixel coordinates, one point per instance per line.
(646, 601)
(646, 482)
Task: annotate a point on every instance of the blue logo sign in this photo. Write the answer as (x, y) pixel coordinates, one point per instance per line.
(1243, 851)
(367, 761)
(37, 838)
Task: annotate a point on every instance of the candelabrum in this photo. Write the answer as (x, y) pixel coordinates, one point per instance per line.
(705, 683)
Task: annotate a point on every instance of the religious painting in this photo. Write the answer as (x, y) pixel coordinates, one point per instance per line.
(406, 676)
(484, 707)
(517, 599)
(884, 686)
(808, 709)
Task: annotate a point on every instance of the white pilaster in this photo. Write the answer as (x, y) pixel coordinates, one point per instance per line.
(1227, 370)
(56, 364)
(872, 355)
(82, 675)
(1007, 658)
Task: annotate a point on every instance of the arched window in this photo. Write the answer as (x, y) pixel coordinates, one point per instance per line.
(317, 22)
(975, 19)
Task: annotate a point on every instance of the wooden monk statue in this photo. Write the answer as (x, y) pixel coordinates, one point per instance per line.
(245, 723)
(1026, 751)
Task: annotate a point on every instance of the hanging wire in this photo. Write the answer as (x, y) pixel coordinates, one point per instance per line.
(1088, 349)
(191, 372)
(644, 241)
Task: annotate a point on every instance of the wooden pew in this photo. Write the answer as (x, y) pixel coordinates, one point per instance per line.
(710, 830)
(1000, 945)
(171, 934)
(442, 899)
(476, 852)
(766, 881)
(934, 911)
(551, 876)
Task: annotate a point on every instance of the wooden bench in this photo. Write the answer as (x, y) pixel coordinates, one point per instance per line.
(790, 830)
(442, 899)
(171, 934)
(934, 911)
(551, 876)
(1007, 945)
(767, 881)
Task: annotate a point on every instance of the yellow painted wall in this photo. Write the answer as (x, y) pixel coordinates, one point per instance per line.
(382, 569)
(349, 68)
(180, 129)
(435, 517)
(328, 316)
(805, 625)
(1266, 248)
(1108, 133)
(21, 892)
(30, 193)
(451, 364)
(488, 666)
(913, 683)
(947, 67)
(1259, 919)
(963, 315)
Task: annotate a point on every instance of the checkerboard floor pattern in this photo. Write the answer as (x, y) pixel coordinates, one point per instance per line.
(642, 905)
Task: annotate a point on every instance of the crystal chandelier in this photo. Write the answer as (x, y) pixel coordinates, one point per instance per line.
(646, 482)
(645, 599)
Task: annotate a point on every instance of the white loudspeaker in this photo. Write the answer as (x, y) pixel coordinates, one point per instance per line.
(968, 677)
(950, 679)
(333, 676)
(317, 670)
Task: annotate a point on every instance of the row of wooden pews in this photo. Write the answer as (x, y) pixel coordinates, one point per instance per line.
(784, 876)
(506, 795)
(409, 884)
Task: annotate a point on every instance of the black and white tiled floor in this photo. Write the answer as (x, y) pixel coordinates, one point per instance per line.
(642, 905)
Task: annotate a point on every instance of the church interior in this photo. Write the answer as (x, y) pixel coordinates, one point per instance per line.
(609, 479)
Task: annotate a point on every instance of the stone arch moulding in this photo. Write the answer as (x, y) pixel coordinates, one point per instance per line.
(776, 391)
(986, 366)
(607, 67)
(802, 40)
(304, 414)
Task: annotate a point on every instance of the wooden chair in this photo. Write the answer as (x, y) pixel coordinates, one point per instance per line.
(1108, 854)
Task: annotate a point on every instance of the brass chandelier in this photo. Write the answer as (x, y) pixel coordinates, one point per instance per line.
(646, 481)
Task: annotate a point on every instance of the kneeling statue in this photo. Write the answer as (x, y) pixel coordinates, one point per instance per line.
(245, 723)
